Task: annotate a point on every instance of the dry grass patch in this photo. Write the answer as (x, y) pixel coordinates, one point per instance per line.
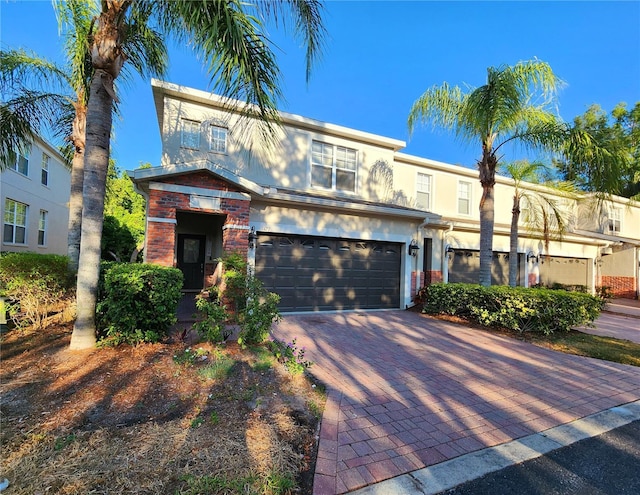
(136, 420)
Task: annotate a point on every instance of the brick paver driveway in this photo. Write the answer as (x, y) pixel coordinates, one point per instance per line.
(406, 391)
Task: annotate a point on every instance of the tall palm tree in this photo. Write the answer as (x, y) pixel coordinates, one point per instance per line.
(229, 36)
(502, 111)
(546, 212)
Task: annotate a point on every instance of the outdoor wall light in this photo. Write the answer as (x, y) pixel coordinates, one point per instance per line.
(413, 247)
(532, 257)
(253, 237)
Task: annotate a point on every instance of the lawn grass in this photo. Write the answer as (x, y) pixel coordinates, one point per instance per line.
(595, 346)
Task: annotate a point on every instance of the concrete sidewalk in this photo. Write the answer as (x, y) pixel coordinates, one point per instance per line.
(627, 307)
(406, 392)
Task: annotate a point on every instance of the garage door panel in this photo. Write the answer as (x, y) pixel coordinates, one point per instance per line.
(314, 273)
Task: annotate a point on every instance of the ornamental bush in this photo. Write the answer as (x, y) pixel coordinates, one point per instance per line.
(34, 285)
(137, 302)
(514, 308)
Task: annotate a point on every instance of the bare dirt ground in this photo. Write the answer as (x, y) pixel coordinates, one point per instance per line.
(146, 420)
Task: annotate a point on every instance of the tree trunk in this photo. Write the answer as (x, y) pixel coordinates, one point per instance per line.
(513, 242)
(77, 180)
(98, 133)
(487, 174)
(486, 235)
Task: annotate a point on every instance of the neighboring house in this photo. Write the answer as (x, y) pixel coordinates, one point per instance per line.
(34, 197)
(333, 218)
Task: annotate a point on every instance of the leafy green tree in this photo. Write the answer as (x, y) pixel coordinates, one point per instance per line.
(501, 111)
(124, 222)
(619, 134)
(230, 37)
(546, 212)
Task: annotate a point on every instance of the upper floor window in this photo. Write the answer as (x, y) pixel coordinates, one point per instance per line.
(22, 161)
(15, 222)
(464, 197)
(190, 134)
(218, 139)
(45, 169)
(42, 228)
(423, 191)
(333, 167)
(615, 220)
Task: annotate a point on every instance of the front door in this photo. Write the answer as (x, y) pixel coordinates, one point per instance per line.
(191, 259)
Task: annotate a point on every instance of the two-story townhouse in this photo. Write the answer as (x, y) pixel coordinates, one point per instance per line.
(34, 197)
(331, 218)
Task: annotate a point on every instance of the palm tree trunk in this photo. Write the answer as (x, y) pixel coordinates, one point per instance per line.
(487, 175)
(486, 235)
(77, 180)
(513, 242)
(98, 133)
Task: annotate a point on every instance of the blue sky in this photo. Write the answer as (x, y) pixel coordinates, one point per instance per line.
(381, 55)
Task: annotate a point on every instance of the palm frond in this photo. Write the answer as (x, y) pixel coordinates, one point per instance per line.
(237, 55)
(21, 69)
(439, 105)
(308, 24)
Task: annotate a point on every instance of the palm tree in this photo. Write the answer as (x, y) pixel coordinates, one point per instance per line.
(229, 36)
(546, 212)
(499, 112)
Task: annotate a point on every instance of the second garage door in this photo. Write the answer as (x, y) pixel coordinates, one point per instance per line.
(318, 273)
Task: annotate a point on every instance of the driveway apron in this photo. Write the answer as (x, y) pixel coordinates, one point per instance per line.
(406, 391)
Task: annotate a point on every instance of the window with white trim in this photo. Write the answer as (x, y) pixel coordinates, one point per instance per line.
(423, 191)
(190, 134)
(15, 222)
(464, 197)
(333, 167)
(614, 220)
(42, 228)
(218, 139)
(21, 164)
(45, 169)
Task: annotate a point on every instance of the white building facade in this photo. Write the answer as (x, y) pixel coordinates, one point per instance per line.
(34, 197)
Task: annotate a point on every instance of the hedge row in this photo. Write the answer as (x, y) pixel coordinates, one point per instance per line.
(514, 308)
(34, 284)
(137, 302)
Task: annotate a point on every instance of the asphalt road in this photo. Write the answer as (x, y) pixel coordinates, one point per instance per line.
(605, 464)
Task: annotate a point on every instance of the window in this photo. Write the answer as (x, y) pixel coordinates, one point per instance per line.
(217, 139)
(615, 220)
(464, 198)
(190, 137)
(15, 222)
(423, 191)
(333, 167)
(42, 228)
(22, 161)
(45, 169)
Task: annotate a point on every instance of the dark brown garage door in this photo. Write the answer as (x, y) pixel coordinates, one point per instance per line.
(318, 273)
(564, 271)
(464, 267)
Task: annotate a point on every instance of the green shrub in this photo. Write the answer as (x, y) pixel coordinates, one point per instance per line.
(259, 313)
(34, 284)
(253, 308)
(514, 308)
(212, 327)
(137, 302)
